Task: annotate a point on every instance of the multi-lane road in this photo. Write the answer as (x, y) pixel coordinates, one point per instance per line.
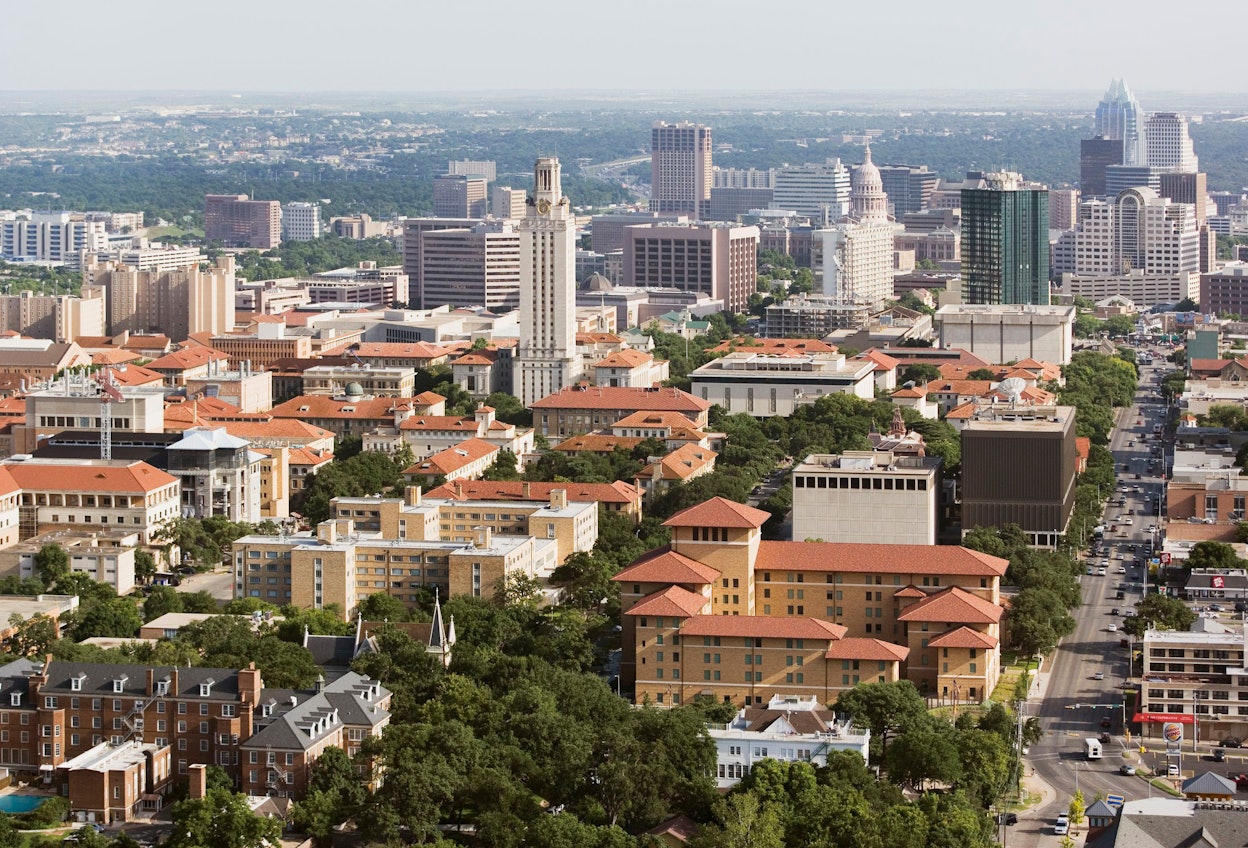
(1075, 702)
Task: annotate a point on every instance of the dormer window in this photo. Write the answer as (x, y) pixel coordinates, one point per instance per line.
(75, 683)
(162, 687)
(119, 684)
(15, 699)
(267, 709)
(205, 688)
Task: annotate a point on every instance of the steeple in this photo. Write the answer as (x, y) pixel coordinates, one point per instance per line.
(898, 427)
(437, 631)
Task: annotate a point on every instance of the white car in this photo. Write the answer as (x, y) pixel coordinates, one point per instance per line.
(1062, 827)
(1113, 628)
(1101, 572)
(1172, 771)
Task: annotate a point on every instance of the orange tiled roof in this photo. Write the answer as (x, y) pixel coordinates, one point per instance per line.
(1209, 365)
(113, 357)
(760, 627)
(36, 476)
(9, 485)
(860, 648)
(454, 458)
(513, 490)
(307, 456)
(322, 406)
(1083, 446)
(428, 399)
(681, 463)
(597, 338)
(974, 388)
(953, 605)
(910, 591)
(187, 358)
(627, 358)
(963, 637)
(135, 375)
(660, 418)
(274, 428)
(666, 566)
(673, 601)
(910, 393)
(623, 397)
(966, 410)
(883, 362)
(402, 350)
(863, 557)
(598, 443)
(719, 512)
(769, 345)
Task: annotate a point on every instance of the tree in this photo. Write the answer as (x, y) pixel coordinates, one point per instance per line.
(1159, 612)
(917, 756)
(1208, 554)
(117, 618)
(503, 467)
(919, 373)
(334, 794)
(742, 821)
(161, 601)
(32, 636)
(982, 374)
(144, 566)
(883, 707)
(221, 819)
(380, 606)
(1037, 620)
(51, 563)
(1076, 808)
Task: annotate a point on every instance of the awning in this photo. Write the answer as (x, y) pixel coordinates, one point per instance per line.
(1165, 718)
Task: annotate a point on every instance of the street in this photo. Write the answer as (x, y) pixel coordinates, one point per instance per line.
(1075, 704)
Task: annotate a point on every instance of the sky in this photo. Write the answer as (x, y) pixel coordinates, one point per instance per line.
(646, 45)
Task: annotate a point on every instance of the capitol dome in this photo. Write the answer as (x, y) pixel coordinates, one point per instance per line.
(866, 196)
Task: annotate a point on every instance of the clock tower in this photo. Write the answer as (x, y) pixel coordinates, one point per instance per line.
(546, 359)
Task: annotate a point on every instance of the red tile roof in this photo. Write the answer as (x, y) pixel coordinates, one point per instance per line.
(402, 350)
(627, 358)
(454, 458)
(623, 397)
(597, 338)
(135, 375)
(953, 605)
(883, 362)
(36, 476)
(276, 428)
(768, 345)
(322, 406)
(187, 358)
(598, 443)
(719, 512)
(910, 591)
(307, 456)
(872, 558)
(963, 637)
(760, 627)
(1083, 446)
(8, 485)
(673, 601)
(666, 566)
(859, 648)
(1209, 365)
(681, 464)
(653, 420)
(618, 492)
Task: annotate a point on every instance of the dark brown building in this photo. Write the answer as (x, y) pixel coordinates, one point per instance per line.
(235, 221)
(1018, 467)
(1095, 155)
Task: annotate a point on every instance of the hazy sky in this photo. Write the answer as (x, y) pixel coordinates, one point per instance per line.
(427, 46)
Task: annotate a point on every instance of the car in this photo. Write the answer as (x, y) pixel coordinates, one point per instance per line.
(1062, 826)
(1219, 755)
(1126, 769)
(1215, 608)
(1107, 722)
(1100, 675)
(1105, 737)
(1101, 572)
(1112, 628)
(1115, 611)
(1172, 771)
(1007, 819)
(1122, 569)
(1231, 742)
(1091, 571)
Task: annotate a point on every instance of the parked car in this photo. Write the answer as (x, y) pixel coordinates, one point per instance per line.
(1241, 780)
(1231, 742)
(1007, 819)
(1112, 628)
(1105, 737)
(1100, 675)
(1172, 771)
(1115, 611)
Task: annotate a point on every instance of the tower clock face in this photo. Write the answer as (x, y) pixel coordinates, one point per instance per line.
(543, 206)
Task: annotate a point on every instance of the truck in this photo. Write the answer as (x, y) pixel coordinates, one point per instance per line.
(1092, 747)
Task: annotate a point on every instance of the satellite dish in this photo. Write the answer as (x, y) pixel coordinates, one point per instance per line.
(1013, 387)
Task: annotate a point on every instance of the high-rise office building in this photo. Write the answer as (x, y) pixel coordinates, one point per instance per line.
(909, 189)
(469, 167)
(235, 221)
(413, 229)
(1005, 242)
(720, 260)
(1167, 145)
(56, 237)
(1063, 207)
(1095, 155)
(507, 203)
(546, 355)
(819, 191)
(301, 221)
(680, 168)
(459, 196)
(1190, 188)
(477, 266)
(1119, 178)
(1118, 117)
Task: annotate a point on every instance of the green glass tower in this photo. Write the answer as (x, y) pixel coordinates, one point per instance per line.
(1005, 244)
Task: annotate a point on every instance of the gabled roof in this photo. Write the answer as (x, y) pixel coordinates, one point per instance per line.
(680, 464)
(321, 406)
(35, 476)
(598, 443)
(187, 358)
(719, 512)
(656, 419)
(964, 411)
(964, 637)
(760, 627)
(910, 591)
(1100, 810)
(1209, 784)
(627, 358)
(953, 605)
(906, 392)
(666, 566)
(134, 375)
(860, 648)
(618, 492)
(307, 456)
(673, 601)
(883, 362)
(290, 428)
(402, 350)
(623, 397)
(871, 558)
(454, 458)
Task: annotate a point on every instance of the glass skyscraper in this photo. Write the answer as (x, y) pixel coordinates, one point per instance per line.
(1005, 243)
(1118, 117)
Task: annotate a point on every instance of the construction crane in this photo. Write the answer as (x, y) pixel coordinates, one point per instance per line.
(108, 394)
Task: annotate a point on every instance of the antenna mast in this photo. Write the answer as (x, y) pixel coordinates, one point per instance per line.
(108, 394)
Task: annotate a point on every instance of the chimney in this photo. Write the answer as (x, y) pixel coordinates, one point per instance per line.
(249, 685)
(327, 531)
(198, 781)
(151, 681)
(526, 491)
(459, 489)
(411, 495)
(485, 538)
(558, 498)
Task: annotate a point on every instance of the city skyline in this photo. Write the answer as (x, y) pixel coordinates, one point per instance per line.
(1023, 50)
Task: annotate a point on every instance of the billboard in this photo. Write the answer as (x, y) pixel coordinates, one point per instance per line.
(1172, 732)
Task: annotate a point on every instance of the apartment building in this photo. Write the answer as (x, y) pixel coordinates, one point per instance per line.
(301, 221)
(61, 318)
(60, 238)
(106, 556)
(577, 410)
(867, 496)
(178, 301)
(721, 613)
(236, 221)
(460, 196)
(1195, 677)
(680, 168)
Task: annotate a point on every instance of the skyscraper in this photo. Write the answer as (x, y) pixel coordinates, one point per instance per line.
(546, 359)
(235, 221)
(1005, 242)
(1095, 156)
(680, 168)
(459, 196)
(909, 189)
(818, 191)
(1118, 117)
(1167, 145)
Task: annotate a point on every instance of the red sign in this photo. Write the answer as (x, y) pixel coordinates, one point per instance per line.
(1165, 718)
(1218, 582)
(1165, 559)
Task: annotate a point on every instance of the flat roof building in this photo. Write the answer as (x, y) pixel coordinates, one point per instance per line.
(867, 496)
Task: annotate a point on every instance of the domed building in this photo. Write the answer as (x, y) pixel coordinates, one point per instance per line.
(867, 200)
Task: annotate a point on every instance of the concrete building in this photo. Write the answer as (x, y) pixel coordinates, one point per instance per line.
(477, 266)
(1191, 188)
(487, 168)
(867, 496)
(236, 221)
(61, 318)
(680, 168)
(1005, 242)
(106, 556)
(373, 380)
(1095, 155)
(1063, 208)
(546, 356)
(364, 284)
(733, 204)
(301, 221)
(1142, 289)
(767, 384)
(1018, 467)
(60, 238)
(179, 302)
(909, 188)
(787, 729)
(792, 615)
(507, 203)
(220, 475)
(1167, 144)
(1197, 673)
(813, 316)
(460, 196)
(1007, 333)
(819, 191)
(607, 232)
(1225, 290)
(357, 227)
(719, 260)
(853, 262)
(573, 411)
(1119, 178)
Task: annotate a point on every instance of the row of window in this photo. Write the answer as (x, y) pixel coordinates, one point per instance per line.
(879, 484)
